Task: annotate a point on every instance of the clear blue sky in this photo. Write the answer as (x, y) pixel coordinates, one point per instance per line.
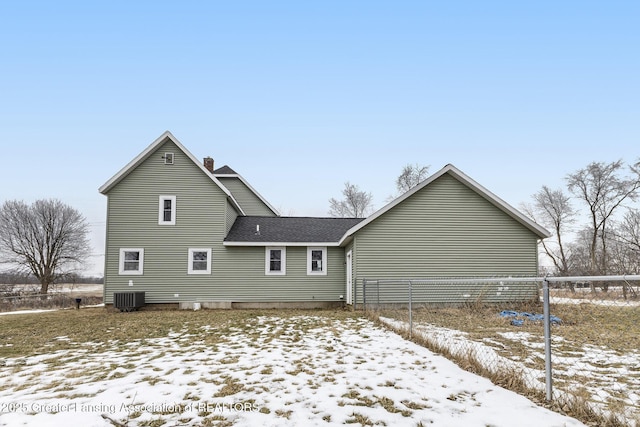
(299, 96)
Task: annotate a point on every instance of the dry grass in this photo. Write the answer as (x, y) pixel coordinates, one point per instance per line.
(613, 327)
(26, 297)
(603, 327)
(103, 329)
(52, 301)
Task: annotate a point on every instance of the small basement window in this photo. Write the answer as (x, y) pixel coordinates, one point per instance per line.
(168, 158)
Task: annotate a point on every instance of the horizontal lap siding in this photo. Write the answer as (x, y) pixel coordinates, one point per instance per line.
(448, 293)
(241, 277)
(203, 217)
(133, 223)
(445, 230)
(247, 199)
(232, 215)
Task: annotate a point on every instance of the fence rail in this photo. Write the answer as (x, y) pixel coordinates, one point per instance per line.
(587, 337)
(45, 301)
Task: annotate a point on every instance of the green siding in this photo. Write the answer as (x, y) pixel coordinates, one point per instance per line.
(203, 216)
(232, 214)
(132, 222)
(240, 276)
(447, 293)
(251, 204)
(444, 230)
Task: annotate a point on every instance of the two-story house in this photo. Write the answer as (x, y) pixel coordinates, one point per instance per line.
(183, 232)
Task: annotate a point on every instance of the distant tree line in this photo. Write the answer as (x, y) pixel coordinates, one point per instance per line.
(21, 278)
(595, 225)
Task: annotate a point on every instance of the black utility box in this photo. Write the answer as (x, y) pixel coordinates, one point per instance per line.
(128, 301)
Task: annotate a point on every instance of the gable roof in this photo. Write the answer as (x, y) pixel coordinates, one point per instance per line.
(289, 231)
(226, 172)
(535, 228)
(166, 136)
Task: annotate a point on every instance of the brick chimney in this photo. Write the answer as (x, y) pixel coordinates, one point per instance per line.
(208, 163)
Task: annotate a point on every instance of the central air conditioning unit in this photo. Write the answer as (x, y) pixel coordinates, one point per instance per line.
(128, 301)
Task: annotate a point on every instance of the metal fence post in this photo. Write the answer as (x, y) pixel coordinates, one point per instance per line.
(410, 315)
(547, 339)
(364, 295)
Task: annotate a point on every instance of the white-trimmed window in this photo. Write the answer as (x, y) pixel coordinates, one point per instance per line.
(168, 158)
(317, 261)
(167, 210)
(275, 261)
(131, 261)
(199, 261)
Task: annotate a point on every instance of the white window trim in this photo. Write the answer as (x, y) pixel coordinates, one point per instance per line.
(190, 269)
(137, 272)
(168, 158)
(323, 272)
(161, 200)
(267, 261)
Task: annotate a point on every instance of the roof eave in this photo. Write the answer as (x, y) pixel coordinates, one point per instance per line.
(115, 179)
(345, 240)
(245, 182)
(535, 228)
(122, 173)
(258, 244)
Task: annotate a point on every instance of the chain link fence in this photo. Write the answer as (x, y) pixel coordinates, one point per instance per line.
(573, 341)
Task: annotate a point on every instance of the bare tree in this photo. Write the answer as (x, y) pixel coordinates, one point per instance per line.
(627, 236)
(629, 230)
(552, 209)
(624, 256)
(356, 203)
(578, 250)
(47, 238)
(411, 176)
(603, 189)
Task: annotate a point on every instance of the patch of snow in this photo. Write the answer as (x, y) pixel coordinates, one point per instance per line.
(302, 370)
(596, 369)
(6, 313)
(593, 301)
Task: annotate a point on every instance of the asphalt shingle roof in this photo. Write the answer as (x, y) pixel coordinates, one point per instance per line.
(289, 229)
(224, 170)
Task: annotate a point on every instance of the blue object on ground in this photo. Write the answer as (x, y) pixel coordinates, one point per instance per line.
(518, 318)
(555, 320)
(531, 316)
(508, 313)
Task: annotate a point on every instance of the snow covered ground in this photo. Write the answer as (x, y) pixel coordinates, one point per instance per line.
(11, 313)
(271, 371)
(603, 375)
